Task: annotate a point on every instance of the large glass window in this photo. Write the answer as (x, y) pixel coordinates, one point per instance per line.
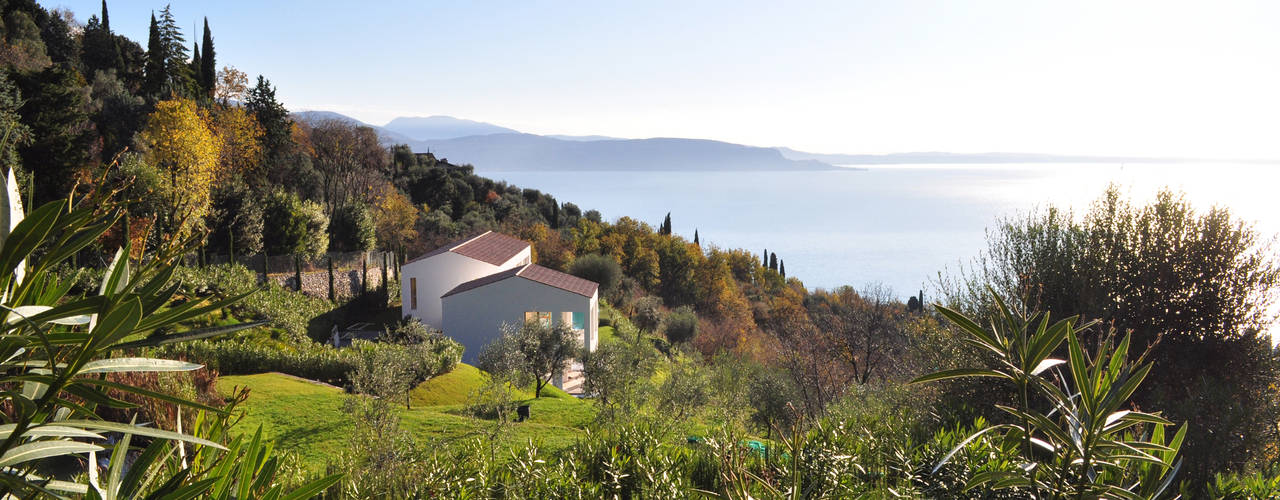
(580, 320)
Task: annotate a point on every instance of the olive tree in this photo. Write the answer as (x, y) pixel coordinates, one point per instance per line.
(533, 352)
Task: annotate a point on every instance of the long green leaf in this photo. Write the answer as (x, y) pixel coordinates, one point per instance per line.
(959, 373)
(140, 431)
(116, 365)
(313, 488)
(43, 449)
(152, 394)
(203, 333)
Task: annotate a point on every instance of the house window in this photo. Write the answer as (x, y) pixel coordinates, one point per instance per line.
(413, 293)
(543, 318)
(579, 320)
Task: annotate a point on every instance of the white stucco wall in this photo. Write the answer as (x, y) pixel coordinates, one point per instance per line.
(440, 273)
(474, 317)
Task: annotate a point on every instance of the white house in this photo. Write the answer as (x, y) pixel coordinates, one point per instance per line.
(469, 288)
(424, 279)
(474, 312)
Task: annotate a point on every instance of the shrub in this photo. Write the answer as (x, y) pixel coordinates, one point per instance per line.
(681, 325)
(294, 226)
(352, 229)
(296, 313)
(600, 269)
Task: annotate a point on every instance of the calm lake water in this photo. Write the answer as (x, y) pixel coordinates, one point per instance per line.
(896, 225)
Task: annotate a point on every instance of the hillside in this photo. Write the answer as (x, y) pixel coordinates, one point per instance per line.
(507, 152)
(422, 128)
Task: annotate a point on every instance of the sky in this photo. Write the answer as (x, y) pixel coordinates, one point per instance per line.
(1169, 79)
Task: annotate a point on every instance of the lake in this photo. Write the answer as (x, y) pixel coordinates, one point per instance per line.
(897, 225)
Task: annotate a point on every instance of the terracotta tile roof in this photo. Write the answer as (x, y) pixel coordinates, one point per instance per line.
(537, 274)
(493, 248)
(563, 281)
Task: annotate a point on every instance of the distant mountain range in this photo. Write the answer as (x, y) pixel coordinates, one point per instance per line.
(497, 148)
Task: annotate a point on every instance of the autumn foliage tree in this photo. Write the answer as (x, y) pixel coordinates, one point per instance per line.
(240, 136)
(179, 142)
(393, 218)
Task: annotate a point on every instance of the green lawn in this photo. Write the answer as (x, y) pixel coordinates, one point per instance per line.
(307, 418)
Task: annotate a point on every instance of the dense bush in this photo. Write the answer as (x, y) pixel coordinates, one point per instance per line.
(681, 325)
(294, 226)
(237, 357)
(300, 315)
(316, 361)
(351, 229)
(1193, 286)
(603, 270)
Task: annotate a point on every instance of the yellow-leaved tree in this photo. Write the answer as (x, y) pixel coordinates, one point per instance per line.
(394, 217)
(180, 143)
(241, 137)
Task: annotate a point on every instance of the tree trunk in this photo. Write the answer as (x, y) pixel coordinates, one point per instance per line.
(332, 298)
(297, 273)
(364, 273)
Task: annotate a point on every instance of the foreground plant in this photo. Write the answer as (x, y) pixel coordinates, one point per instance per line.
(1072, 433)
(55, 350)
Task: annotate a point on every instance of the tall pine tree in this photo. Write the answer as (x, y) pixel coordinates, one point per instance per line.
(208, 63)
(273, 117)
(695, 238)
(168, 70)
(773, 261)
(782, 268)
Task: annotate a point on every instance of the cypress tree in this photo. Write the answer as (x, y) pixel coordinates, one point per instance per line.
(782, 268)
(695, 238)
(773, 261)
(666, 225)
(208, 62)
(195, 62)
(765, 261)
(155, 69)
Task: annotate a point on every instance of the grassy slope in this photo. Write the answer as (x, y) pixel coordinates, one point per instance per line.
(307, 418)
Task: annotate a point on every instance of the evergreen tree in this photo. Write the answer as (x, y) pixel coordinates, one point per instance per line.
(55, 109)
(179, 73)
(194, 66)
(695, 238)
(765, 261)
(155, 69)
(15, 132)
(555, 215)
(666, 226)
(60, 45)
(208, 63)
(773, 261)
(782, 268)
(98, 49)
(168, 72)
(272, 116)
(106, 19)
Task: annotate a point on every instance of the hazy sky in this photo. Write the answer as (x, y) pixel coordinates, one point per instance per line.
(1158, 78)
